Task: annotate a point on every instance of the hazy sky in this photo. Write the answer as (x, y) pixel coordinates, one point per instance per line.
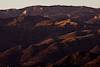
(5, 4)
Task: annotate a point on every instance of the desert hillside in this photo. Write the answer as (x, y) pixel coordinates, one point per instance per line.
(49, 36)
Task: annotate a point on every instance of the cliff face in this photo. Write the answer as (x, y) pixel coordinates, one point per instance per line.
(50, 36)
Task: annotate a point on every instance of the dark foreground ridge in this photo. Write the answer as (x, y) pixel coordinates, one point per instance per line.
(50, 36)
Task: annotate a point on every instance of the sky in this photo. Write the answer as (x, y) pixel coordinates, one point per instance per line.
(8, 4)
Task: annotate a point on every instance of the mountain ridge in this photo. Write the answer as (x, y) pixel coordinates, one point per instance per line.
(41, 10)
(50, 36)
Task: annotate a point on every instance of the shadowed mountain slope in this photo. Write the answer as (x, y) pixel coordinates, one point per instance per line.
(49, 36)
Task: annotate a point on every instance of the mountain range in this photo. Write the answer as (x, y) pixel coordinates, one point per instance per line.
(49, 36)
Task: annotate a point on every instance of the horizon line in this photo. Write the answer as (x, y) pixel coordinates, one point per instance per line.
(50, 6)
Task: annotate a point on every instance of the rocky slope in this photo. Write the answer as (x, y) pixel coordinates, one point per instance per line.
(49, 36)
